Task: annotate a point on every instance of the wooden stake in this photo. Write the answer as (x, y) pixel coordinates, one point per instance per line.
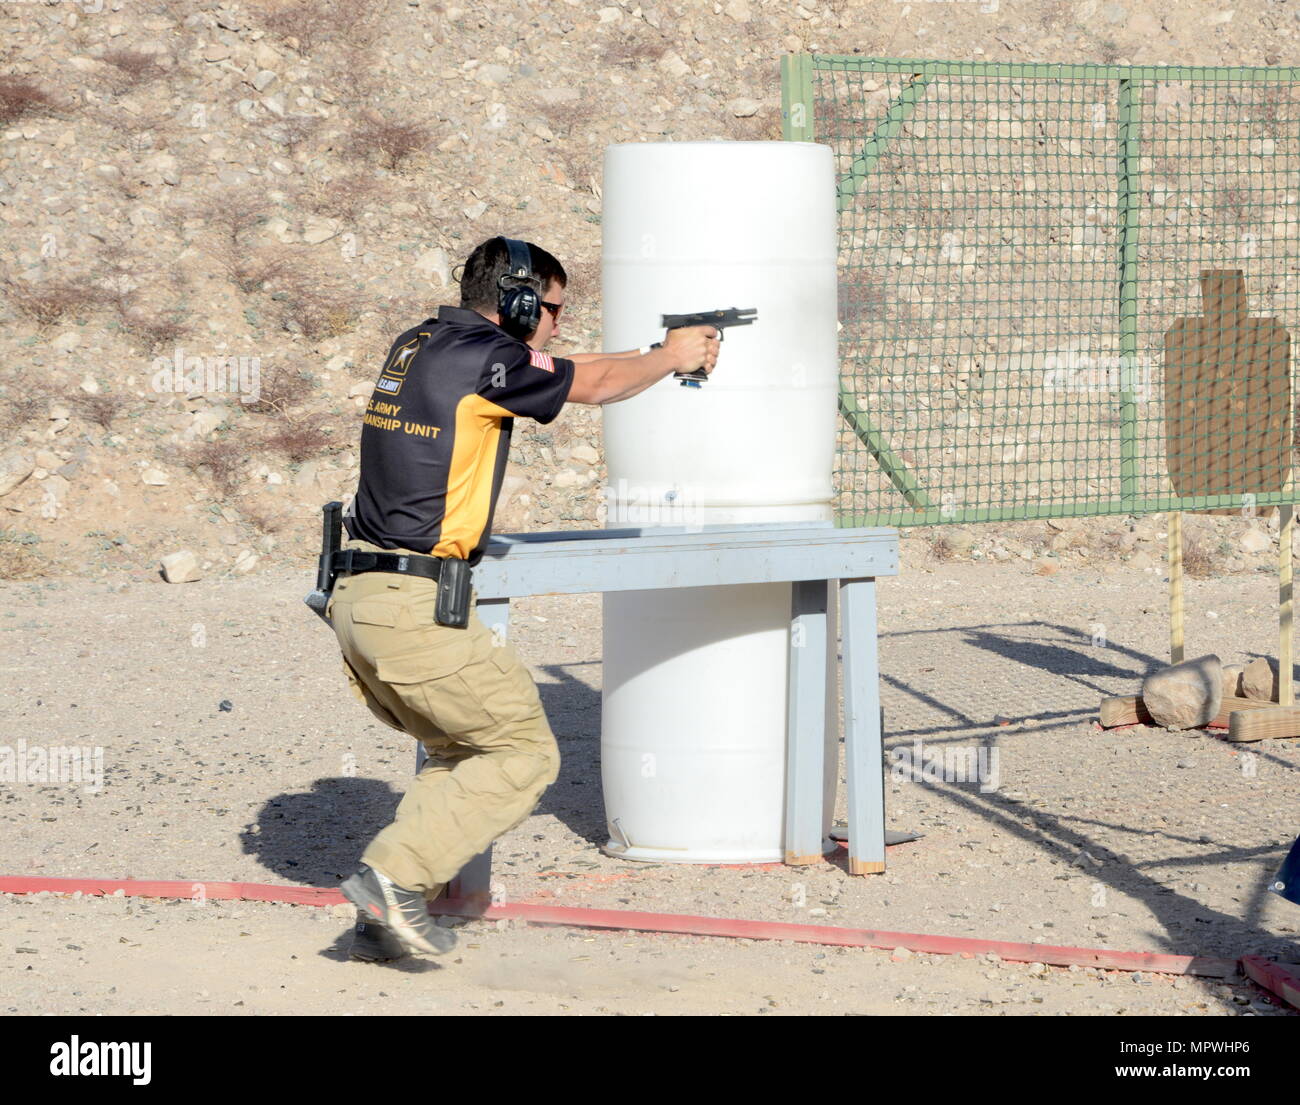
(1285, 687)
(1176, 587)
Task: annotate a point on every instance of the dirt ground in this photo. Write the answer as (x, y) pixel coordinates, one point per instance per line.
(1134, 839)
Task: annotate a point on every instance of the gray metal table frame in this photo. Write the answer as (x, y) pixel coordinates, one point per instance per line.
(813, 558)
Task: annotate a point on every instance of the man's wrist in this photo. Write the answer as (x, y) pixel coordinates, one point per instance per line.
(650, 348)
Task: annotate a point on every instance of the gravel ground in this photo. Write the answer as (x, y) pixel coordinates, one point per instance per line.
(1133, 839)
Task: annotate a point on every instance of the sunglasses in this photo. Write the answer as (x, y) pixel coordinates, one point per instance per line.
(554, 308)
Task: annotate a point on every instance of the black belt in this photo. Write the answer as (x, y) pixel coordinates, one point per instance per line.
(356, 561)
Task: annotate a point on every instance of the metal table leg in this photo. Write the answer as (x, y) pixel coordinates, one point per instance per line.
(806, 717)
(864, 753)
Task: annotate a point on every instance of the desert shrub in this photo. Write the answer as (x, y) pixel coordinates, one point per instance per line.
(18, 406)
(316, 311)
(391, 141)
(633, 50)
(150, 328)
(282, 389)
(101, 409)
(21, 96)
(233, 212)
(52, 300)
(345, 197)
(1200, 554)
(252, 270)
(20, 555)
(221, 460)
(292, 131)
(299, 441)
(131, 67)
(309, 24)
(395, 315)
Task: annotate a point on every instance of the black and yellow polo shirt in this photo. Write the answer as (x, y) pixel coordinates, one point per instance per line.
(436, 432)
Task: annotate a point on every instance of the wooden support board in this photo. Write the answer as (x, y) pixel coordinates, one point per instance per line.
(1130, 710)
(1285, 608)
(1273, 723)
(1176, 655)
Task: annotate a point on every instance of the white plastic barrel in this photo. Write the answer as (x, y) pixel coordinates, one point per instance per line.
(693, 719)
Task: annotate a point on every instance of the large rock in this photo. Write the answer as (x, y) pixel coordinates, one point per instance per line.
(180, 567)
(1259, 680)
(1185, 695)
(15, 467)
(1232, 680)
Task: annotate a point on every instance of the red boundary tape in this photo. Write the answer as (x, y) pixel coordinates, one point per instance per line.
(968, 947)
(1280, 978)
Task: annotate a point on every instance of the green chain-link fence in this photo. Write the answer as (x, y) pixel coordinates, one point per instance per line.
(1027, 257)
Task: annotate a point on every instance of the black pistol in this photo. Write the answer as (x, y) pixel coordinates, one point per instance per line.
(720, 320)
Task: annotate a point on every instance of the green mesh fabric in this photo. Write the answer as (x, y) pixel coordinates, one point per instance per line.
(1027, 254)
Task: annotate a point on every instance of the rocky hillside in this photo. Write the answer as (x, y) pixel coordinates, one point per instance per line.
(213, 219)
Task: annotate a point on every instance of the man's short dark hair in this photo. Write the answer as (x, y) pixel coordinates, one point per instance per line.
(490, 261)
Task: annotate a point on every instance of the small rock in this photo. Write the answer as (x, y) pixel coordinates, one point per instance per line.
(435, 262)
(1232, 680)
(1185, 695)
(316, 231)
(743, 107)
(672, 64)
(1255, 541)
(180, 567)
(90, 385)
(1259, 680)
(154, 477)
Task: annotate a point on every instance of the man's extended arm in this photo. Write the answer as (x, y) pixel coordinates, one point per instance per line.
(610, 377)
(587, 358)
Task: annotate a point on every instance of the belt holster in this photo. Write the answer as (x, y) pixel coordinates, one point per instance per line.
(452, 605)
(331, 539)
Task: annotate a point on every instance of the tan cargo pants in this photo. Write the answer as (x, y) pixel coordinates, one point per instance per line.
(468, 698)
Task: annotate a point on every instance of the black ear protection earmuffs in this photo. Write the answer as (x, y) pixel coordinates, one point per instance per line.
(518, 307)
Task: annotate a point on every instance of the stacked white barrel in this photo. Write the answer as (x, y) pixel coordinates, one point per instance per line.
(693, 720)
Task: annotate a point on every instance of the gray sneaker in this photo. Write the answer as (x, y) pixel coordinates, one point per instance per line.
(372, 943)
(404, 913)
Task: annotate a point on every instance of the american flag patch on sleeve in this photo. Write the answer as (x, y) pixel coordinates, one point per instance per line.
(541, 360)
